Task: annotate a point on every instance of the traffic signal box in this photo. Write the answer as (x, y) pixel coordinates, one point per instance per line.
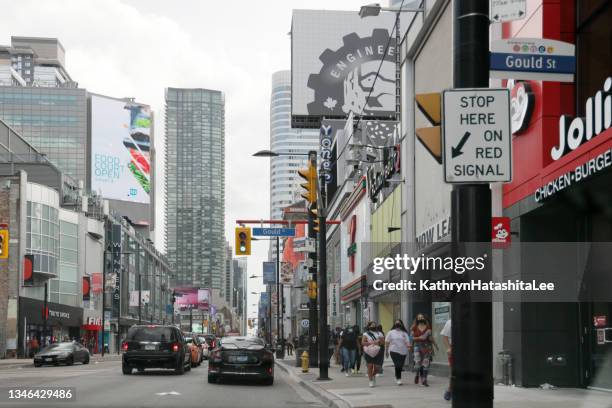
(310, 175)
(243, 241)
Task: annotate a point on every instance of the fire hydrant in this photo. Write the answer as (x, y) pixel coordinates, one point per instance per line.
(305, 362)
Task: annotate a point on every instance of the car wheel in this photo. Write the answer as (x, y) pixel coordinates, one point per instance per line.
(70, 361)
(37, 365)
(269, 381)
(180, 370)
(127, 370)
(188, 368)
(212, 379)
(86, 361)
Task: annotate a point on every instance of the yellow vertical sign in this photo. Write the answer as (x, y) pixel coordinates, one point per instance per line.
(4, 243)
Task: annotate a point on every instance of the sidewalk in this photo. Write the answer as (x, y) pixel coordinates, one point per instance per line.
(11, 363)
(353, 391)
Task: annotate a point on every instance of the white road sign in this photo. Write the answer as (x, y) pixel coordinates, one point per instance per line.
(477, 137)
(305, 323)
(507, 10)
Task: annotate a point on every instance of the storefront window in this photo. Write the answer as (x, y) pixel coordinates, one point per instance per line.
(42, 236)
(594, 60)
(64, 289)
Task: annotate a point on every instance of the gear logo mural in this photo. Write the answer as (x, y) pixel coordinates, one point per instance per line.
(347, 80)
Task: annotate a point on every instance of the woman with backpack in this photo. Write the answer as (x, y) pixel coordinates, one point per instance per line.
(372, 340)
(397, 344)
(423, 344)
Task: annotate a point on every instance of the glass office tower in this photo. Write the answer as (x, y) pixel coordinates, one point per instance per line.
(195, 185)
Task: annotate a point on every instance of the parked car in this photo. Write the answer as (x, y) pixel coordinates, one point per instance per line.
(245, 357)
(155, 346)
(66, 352)
(194, 346)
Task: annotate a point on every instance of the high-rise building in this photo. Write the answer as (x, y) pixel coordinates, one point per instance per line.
(284, 180)
(195, 185)
(39, 100)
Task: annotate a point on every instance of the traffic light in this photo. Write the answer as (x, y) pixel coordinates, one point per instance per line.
(315, 217)
(310, 175)
(4, 243)
(243, 241)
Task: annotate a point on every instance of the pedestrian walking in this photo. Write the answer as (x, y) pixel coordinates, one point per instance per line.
(423, 344)
(289, 346)
(359, 353)
(446, 334)
(372, 340)
(397, 345)
(381, 356)
(348, 348)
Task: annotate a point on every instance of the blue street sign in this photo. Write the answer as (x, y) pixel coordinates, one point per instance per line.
(273, 232)
(269, 273)
(533, 58)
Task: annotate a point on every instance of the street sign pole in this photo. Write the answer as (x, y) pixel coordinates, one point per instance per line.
(322, 283)
(472, 351)
(312, 315)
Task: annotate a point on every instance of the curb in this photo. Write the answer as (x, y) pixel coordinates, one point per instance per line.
(330, 399)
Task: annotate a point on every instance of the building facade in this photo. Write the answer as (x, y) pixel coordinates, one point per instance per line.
(40, 101)
(195, 185)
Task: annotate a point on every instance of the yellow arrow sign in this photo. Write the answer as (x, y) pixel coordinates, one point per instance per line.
(430, 104)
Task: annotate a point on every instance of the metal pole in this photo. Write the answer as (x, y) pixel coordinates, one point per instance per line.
(279, 321)
(45, 314)
(104, 270)
(190, 319)
(312, 315)
(322, 285)
(270, 314)
(139, 296)
(472, 371)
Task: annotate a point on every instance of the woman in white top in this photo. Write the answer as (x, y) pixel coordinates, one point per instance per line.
(371, 341)
(397, 344)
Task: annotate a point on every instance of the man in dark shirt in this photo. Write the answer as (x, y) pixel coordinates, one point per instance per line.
(348, 348)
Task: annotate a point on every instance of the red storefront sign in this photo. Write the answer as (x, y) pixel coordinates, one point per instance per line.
(96, 282)
(500, 232)
(600, 321)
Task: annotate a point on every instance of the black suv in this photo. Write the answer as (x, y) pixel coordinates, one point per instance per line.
(155, 346)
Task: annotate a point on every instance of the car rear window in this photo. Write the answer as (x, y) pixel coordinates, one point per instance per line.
(150, 334)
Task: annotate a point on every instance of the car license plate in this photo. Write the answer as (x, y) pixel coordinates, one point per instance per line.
(242, 359)
(48, 359)
(149, 347)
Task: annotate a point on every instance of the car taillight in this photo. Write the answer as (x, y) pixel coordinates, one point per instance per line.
(216, 356)
(267, 356)
(176, 347)
(124, 346)
(212, 344)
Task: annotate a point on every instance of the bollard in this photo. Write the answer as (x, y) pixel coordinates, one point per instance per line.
(305, 362)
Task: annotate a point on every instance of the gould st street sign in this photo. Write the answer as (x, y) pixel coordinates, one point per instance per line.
(477, 136)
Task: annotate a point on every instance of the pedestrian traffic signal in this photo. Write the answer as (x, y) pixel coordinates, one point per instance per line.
(243, 241)
(4, 244)
(312, 289)
(310, 175)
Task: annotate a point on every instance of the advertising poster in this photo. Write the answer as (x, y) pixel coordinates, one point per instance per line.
(192, 298)
(120, 149)
(336, 56)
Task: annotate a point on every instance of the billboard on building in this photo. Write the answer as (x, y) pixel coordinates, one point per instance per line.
(192, 298)
(341, 63)
(120, 149)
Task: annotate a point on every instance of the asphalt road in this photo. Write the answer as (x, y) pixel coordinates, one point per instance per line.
(103, 385)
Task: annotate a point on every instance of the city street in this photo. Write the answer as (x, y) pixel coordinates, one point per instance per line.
(103, 385)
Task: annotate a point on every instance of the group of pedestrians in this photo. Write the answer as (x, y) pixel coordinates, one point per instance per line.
(373, 345)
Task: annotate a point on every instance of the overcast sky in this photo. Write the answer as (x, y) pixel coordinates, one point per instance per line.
(137, 48)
